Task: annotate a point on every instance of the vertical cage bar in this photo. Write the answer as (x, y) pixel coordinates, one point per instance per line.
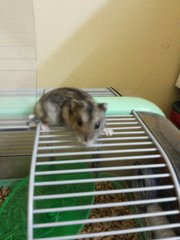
(161, 150)
(31, 184)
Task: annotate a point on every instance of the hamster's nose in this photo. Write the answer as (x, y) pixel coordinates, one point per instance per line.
(82, 141)
(88, 142)
(85, 141)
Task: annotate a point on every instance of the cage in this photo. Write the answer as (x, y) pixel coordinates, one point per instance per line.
(124, 186)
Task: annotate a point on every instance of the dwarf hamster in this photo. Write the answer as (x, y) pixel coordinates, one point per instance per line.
(74, 108)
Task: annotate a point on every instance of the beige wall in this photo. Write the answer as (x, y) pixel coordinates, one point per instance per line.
(132, 45)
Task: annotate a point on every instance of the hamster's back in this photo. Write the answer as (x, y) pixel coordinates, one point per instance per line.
(49, 107)
(60, 95)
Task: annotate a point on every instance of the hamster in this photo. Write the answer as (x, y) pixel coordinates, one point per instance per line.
(74, 108)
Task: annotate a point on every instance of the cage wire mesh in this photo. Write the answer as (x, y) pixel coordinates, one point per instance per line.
(136, 192)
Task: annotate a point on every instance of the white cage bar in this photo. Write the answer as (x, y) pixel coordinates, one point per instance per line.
(116, 154)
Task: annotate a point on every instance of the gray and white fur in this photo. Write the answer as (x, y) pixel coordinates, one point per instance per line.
(74, 108)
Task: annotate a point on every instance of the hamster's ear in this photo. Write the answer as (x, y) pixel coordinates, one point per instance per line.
(102, 106)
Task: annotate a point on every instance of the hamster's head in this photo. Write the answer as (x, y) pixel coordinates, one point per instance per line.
(87, 119)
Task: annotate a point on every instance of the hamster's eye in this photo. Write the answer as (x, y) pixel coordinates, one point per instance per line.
(79, 122)
(97, 125)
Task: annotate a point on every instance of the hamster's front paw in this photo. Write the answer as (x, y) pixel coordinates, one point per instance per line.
(32, 117)
(32, 121)
(107, 131)
(45, 127)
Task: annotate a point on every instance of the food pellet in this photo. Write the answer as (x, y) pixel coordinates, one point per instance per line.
(109, 212)
(4, 192)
